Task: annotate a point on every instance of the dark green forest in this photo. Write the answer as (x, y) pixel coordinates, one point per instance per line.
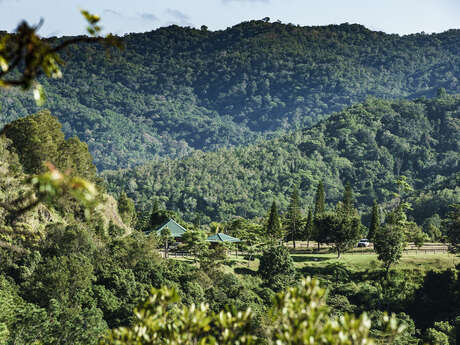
(177, 89)
(368, 145)
(272, 133)
(68, 277)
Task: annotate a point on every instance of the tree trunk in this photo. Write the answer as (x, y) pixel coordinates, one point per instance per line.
(387, 270)
(338, 253)
(293, 236)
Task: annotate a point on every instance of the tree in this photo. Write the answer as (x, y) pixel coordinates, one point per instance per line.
(409, 229)
(346, 207)
(389, 244)
(375, 222)
(441, 92)
(293, 216)
(342, 231)
(390, 241)
(276, 266)
(32, 56)
(157, 216)
(195, 243)
(75, 158)
(58, 324)
(452, 225)
(41, 148)
(348, 201)
(23, 57)
(66, 278)
(309, 227)
(298, 316)
(166, 237)
(36, 138)
(126, 209)
(441, 334)
(320, 199)
(274, 229)
(320, 207)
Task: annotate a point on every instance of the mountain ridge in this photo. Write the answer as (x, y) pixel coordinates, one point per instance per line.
(175, 90)
(368, 144)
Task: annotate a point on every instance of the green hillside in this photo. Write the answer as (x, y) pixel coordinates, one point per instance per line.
(367, 144)
(176, 89)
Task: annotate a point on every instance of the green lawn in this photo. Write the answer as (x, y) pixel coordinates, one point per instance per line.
(362, 262)
(358, 262)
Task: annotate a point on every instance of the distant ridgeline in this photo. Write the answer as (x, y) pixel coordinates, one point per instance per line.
(177, 89)
(368, 145)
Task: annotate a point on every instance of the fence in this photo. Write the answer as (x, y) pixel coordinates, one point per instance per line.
(174, 254)
(407, 251)
(410, 250)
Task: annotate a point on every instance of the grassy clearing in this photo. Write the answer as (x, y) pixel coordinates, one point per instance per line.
(357, 262)
(363, 262)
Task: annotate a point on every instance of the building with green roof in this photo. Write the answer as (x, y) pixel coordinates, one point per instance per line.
(176, 229)
(217, 238)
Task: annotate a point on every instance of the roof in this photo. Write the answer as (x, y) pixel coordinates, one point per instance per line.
(176, 230)
(222, 238)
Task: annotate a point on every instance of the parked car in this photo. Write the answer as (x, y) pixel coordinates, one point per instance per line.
(364, 242)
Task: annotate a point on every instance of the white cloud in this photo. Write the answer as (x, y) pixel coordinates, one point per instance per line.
(112, 12)
(179, 17)
(149, 17)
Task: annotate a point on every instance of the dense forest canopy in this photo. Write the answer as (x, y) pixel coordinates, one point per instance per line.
(177, 89)
(66, 278)
(75, 262)
(368, 145)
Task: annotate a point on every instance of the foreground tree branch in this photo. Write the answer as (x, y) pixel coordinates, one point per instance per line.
(24, 55)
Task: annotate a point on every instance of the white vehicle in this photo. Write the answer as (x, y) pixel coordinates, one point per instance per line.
(364, 242)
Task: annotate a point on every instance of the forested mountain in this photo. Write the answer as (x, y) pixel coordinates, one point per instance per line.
(47, 270)
(176, 89)
(368, 145)
(25, 145)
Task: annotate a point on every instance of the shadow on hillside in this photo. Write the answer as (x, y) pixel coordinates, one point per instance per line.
(245, 271)
(302, 258)
(314, 271)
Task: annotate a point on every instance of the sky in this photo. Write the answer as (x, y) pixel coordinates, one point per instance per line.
(62, 17)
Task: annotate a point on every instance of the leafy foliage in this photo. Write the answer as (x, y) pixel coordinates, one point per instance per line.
(342, 231)
(24, 55)
(274, 229)
(389, 244)
(276, 267)
(126, 209)
(176, 89)
(299, 316)
(368, 145)
(38, 138)
(453, 228)
(374, 227)
(293, 217)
